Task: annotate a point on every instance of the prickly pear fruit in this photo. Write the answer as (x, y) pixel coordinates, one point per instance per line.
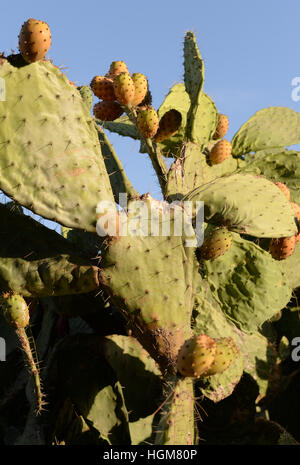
(296, 208)
(124, 88)
(220, 152)
(107, 111)
(222, 126)
(283, 187)
(103, 88)
(117, 67)
(15, 310)
(168, 125)
(196, 356)
(282, 248)
(226, 352)
(34, 40)
(148, 122)
(140, 88)
(215, 244)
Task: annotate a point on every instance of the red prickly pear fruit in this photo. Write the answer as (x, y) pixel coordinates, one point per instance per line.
(226, 352)
(222, 126)
(34, 40)
(140, 88)
(107, 111)
(215, 244)
(148, 122)
(283, 187)
(103, 88)
(296, 208)
(15, 310)
(124, 88)
(168, 125)
(220, 152)
(282, 248)
(196, 356)
(117, 67)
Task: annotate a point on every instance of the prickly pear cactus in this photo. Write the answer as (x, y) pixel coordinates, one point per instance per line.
(188, 293)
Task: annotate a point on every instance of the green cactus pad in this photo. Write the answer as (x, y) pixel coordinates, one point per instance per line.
(22, 236)
(193, 67)
(278, 166)
(203, 121)
(248, 283)
(79, 372)
(87, 95)
(191, 170)
(122, 126)
(177, 99)
(290, 267)
(61, 275)
(176, 427)
(268, 128)
(150, 278)
(118, 179)
(247, 204)
(50, 157)
(130, 361)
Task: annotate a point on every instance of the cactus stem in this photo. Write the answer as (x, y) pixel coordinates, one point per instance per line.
(30, 354)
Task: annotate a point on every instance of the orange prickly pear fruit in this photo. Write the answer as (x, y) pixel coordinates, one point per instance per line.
(168, 125)
(196, 356)
(220, 152)
(107, 111)
(283, 187)
(103, 88)
(226, 352)
(34, 40)
(282, 248)
(140, 88)
(222, 126)
(124, 88)
(117, 67)
(148, 122)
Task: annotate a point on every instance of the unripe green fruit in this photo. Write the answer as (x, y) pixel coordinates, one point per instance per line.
(124, 88)
(168, 125)
(220, 152)
(15, 310)
(140, 88)
(148, 122)
(226, 352)
(196, 356)
(215, 244)
(282, 248)
(34, 40)
(107, 111)
(222, 126)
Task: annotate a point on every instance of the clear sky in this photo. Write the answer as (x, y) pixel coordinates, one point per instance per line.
(250, 49)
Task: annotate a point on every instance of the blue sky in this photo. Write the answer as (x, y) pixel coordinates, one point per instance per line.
(250, 49)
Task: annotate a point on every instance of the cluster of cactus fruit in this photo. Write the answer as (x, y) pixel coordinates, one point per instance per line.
(192, 316)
